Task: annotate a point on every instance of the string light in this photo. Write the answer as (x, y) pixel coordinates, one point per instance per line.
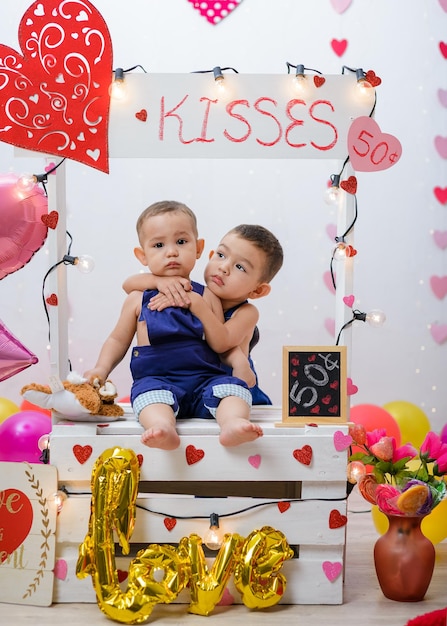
(374, 318)
(332, 193)
(118, 89)
(43, 444)
(217, 72)
(300, 80)
(213, 538)
(26, 182)
(59, 498)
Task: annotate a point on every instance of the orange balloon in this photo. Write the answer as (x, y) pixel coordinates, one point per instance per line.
(29, 406)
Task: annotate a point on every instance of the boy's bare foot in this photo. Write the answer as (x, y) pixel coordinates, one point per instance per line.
(237, 431)
(165, 438)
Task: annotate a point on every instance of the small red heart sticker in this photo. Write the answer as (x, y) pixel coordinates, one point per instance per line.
(283, 506)
(349, 185)
(303, 455)
(122, 575)
(82, 453)
(140, 459)
(319, 81)
(336, 519)
(52, 300)
(170, 522)
(51, 219)
(141, 115)
(193, 455)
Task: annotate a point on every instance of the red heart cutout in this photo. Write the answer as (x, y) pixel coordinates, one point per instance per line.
(372, 79)
(141, 115)
(441, 194)
(333, 409)
(82, 453)
(16, 518)
(315, 410)
(140, 459)
(334, 384)
(193, 455)
(22, 230)
(336, 519)
(52, 300)
(170, 522)
(319, 80)
(303, 455)
(55, 97)
(443, 49)
(50, 220)
(122, 575)
(349, 185)
(283, 506)
(369, 149)
(326, 399)
(339, 46)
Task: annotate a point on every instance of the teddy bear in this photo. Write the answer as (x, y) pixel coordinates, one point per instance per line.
(76, 399)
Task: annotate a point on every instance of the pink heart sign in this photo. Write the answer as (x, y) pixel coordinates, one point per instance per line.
(54, 97)
(16, 518)
(369, 149)
(213, 11)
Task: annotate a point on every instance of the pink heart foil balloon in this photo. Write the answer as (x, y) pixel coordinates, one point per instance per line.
(22, 232)
(14, 356)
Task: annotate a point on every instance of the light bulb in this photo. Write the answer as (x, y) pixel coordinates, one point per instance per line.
(26, 182)
(300, 80)
(59, 499)
(213, 538)
(43, 443)
(355, 470)
(332, 193)
(219, 79)
(118, 88)
(85, 263)
(376, 318)
(343, 251)
(364, 87)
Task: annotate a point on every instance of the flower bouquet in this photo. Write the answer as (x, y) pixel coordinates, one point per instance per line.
(399, 480)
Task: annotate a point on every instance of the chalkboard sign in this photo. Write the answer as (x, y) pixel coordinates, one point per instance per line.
(314, 384)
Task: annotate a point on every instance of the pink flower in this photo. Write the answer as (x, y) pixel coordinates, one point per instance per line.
(431, 446)
(374, 436)
(384, 448)
(441, 463)
(404, 452)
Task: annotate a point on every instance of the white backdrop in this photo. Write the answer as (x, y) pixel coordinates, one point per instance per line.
(398, 211)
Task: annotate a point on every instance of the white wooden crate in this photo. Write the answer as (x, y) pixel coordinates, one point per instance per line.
(266, 472)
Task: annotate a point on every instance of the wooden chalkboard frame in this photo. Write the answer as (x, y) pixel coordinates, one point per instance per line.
(332, 407)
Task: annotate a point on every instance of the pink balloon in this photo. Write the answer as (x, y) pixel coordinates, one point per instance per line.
(22, 232)
(14, 357)
(19, 436)
(444, 434)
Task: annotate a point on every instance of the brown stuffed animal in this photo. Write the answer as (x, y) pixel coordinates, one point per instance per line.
(76, 399)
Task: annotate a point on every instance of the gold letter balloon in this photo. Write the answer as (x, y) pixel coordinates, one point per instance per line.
(160, 572)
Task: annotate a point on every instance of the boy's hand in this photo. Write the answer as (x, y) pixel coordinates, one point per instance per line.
(175, 289)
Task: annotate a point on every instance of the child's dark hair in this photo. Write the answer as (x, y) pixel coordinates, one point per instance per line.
(265, 241)
(166, 206)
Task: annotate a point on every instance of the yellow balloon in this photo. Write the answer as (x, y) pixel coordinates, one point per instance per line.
(412, 421)
(7, 408)
(434, 526)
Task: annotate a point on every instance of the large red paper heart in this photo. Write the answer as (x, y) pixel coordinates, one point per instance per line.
(303, 455)
(215, 11)
(369, 149)
(16, 518)
(54, 98)
(193, 454)
(22, 231)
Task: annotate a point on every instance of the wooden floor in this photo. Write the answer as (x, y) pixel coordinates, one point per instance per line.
(363, 603)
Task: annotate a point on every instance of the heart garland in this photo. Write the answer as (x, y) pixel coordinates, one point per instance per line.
(54, 96)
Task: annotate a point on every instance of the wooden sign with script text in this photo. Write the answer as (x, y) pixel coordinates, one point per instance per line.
(314, 384)
(27, 533)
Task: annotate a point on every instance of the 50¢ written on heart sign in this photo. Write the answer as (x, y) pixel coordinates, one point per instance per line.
(369, 149)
